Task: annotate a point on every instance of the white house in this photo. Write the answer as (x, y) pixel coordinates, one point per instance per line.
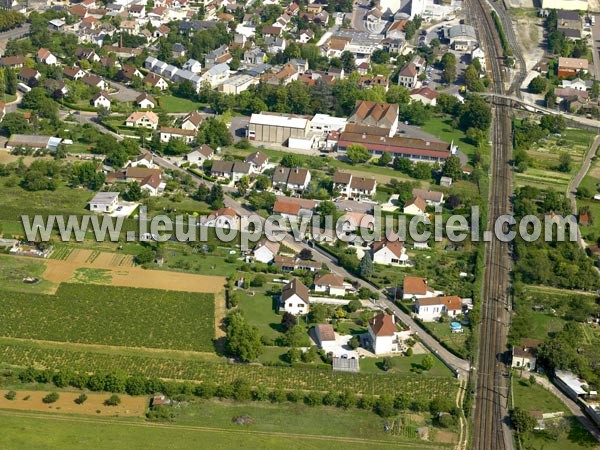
(223, 218)
(215, 74)
(325, 335)
(415, 207)
(199, 155)
(144, 160)
(192, 65)
(389, 253)
(104, 202)
(101, 100)
(258, 161)
(383, 334)
(45, 56)
(434, 198)
(192, 121)
(168, 133)
(294, 298)
(145, 101)
(142, 119)
(351, 186)
(524, 358)
(425, 95)
(431, 309)
(266, 250)
(416, 287)
(330, 284)
(296, 179)
(408, 76)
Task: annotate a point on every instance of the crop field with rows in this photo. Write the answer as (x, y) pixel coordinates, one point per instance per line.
(107, 315)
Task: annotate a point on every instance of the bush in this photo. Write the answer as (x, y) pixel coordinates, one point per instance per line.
(10, 395)
(278, 396)
(81, 399)
(313, 399)
(51, 397)
(113, 400)
(384, 406)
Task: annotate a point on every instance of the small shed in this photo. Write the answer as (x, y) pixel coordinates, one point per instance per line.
(346, 365)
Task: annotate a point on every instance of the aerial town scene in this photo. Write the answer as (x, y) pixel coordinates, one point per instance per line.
(300, 224)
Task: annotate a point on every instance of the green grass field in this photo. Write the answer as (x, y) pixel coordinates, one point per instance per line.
(404, 365)
(112, 316)
(60, 432)
(441, 126)
(172, 104)
(259, 311)
(536, 398)
(13, 270)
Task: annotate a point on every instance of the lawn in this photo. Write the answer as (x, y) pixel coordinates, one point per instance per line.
(455, 341)
(172, 104)
(14, 269)
(59, 432)
(536, 398)
(112, 316)
(404, 365)
(441, 126)
(259, 310)
(290, 418)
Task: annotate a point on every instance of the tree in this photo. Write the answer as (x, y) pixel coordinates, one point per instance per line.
(553, 123)
(388, 363)
(10, 79)
(288, 321)
(550, 99)
(384, 160)
(384, 406)
(521, 420)
(134, 192)
(243, 184)
(422, 171)
(214, 132)
(326, 208)
(353, 306)
(475, 113)
(262, 183)
(146, 256)
(14, 123)
(348, 62)
(358, 154)
(296, 337)
(366, 266)
(538, 85)
(452, 168)
(203, 192)
(113, 400)
(216, 196)
(291, 160)
(403, 165)
(564, 162)
(243, 340)
(52, 397)
(448, 68)
(521, 160)
(305, 254)
(428, 362)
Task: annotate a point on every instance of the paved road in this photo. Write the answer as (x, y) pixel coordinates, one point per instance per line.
(573, 407)
(596, 47)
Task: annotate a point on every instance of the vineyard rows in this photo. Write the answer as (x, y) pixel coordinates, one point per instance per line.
(110, 315)
(61, 253)
(293, 378)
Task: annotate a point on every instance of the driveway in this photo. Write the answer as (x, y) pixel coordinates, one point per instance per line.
(355, 206)
(238, 127)
(125, 94)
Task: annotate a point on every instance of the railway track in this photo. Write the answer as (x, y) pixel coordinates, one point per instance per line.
(490, 427)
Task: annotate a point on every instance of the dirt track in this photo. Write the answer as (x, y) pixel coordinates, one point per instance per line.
(58, 271)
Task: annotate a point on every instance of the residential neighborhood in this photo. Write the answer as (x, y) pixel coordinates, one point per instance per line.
(330, 223)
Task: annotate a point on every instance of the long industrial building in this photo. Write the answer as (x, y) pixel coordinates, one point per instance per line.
(397, 146)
